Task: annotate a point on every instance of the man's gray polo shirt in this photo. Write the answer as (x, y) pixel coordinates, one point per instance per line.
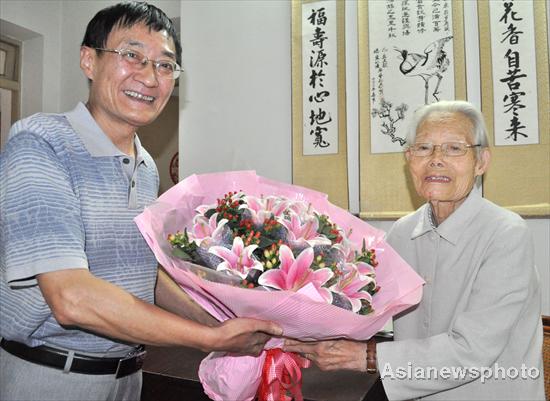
(68, 199)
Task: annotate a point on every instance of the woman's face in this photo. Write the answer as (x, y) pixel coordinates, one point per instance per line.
(446, 178)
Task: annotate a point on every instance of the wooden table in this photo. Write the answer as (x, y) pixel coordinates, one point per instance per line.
(170, 374)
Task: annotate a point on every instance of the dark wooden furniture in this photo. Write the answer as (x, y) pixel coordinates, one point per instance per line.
(546, 354)
(170, 374)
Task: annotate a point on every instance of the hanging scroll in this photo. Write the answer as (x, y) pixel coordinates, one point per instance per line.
(412, 64)
(514, 72)
(320, 78)
(513, 41)
(411, 53)
(319, 152)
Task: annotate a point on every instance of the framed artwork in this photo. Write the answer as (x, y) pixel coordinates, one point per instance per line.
(411, 53)
(8, 61)
(319, 154)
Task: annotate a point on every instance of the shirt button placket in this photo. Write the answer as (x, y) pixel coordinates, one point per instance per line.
(434, 239)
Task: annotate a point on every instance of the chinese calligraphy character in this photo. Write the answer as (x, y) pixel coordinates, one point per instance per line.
(514, 130)
(508, 12)
(318, 17)
(320, 118)
(316, 78)
(318, 61)
(319, 97)
(319, 141)
(318, 38)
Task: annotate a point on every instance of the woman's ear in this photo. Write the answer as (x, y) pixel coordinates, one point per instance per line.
(87, 61)
(407, 154)
(483, 161)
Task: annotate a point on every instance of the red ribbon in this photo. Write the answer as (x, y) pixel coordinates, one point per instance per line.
(281, 374)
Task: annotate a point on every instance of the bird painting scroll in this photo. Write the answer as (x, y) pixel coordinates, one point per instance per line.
(411, 64)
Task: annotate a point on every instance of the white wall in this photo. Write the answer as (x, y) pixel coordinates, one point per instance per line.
(235, 110)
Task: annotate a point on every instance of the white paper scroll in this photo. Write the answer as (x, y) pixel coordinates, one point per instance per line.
(514, 72)
(319, 78)
(411, 64)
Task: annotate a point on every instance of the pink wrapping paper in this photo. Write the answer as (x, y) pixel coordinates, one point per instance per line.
(301, 315)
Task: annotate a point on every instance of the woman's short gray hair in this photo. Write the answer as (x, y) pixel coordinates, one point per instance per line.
(451, 106)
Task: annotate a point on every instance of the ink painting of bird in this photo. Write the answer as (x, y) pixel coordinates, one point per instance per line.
(432, 62)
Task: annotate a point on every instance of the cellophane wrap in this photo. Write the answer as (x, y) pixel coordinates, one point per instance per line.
(303, 315)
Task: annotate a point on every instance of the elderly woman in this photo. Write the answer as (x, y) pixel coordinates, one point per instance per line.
(477, 333)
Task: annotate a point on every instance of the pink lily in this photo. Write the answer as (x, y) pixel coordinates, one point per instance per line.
(299, 233)
(346, 249)
(264, 208)
(295, 273)
(301, 208)
(238, 259)
(206, 229)
(350, 286)
(365, 269)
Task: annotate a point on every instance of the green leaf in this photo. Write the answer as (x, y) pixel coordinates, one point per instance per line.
(209, 213)
(181, 254)
(266, 242)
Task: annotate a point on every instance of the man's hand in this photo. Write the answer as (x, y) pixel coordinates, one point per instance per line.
(331, 355)
(244, 336)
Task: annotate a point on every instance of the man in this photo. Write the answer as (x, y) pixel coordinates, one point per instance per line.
(77, 279)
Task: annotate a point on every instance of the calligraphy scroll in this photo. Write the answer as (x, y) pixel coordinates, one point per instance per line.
(319, 152)
(320, 78)
(515, 100)
(411, 53)
(514, 72)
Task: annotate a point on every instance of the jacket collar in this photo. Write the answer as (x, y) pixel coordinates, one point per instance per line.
(454, 225)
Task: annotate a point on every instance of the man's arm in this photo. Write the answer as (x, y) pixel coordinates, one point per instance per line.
(77, 298)
(169, 296)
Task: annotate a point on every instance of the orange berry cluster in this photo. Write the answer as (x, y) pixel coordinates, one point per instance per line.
(228, 208)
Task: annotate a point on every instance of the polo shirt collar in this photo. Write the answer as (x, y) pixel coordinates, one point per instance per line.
(454, 225)
(97, 143)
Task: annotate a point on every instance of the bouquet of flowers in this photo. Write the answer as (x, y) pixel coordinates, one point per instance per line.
(243, 245)
(282, 244)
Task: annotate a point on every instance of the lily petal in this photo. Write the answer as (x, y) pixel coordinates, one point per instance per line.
(273, 278)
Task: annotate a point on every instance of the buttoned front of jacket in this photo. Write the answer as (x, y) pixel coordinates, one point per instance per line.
(480, 306)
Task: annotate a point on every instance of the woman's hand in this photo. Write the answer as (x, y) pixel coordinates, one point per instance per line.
(243, 336)
(332, 354)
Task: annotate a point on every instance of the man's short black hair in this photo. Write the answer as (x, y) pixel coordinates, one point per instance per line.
(126, 15)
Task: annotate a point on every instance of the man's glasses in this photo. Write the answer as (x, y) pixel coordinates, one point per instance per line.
(448, 149)
(166, 69)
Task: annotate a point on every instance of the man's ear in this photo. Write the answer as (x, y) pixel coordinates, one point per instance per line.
(87, 61)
